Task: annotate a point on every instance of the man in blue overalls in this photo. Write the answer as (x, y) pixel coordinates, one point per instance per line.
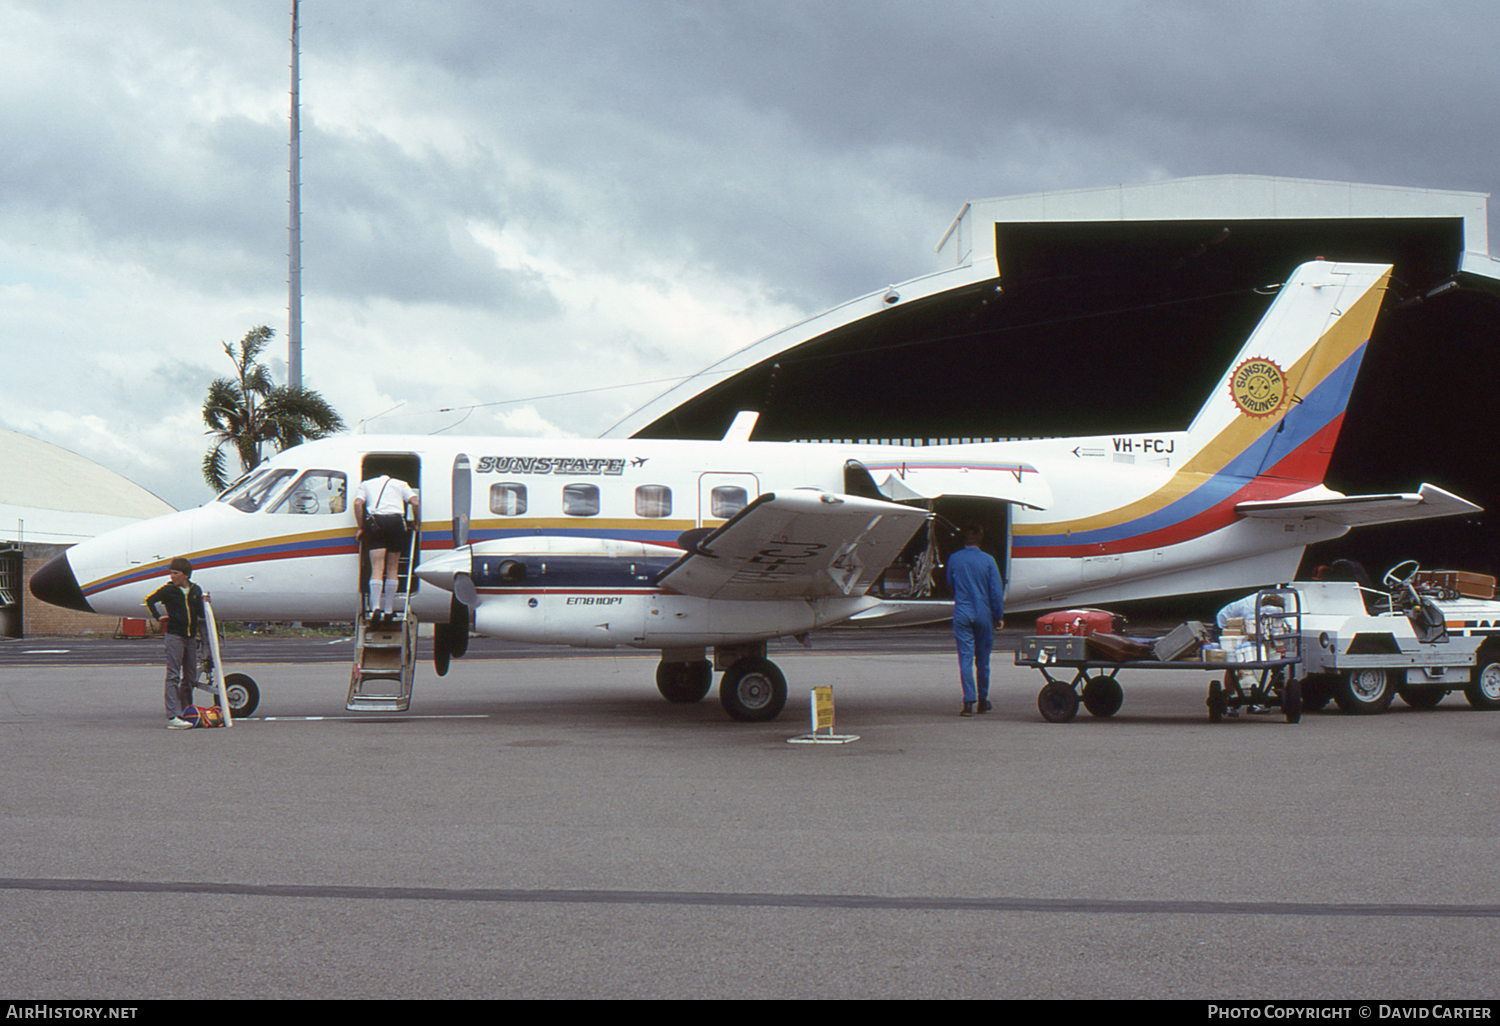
(978, 610)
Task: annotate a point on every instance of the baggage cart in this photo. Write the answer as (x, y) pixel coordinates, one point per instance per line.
(1263, 673)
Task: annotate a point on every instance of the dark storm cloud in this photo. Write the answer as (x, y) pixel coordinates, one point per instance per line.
(721, 129)
(618, 190)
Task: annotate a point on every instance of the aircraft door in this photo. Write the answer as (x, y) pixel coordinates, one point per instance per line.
(955, 512)
(403, 467)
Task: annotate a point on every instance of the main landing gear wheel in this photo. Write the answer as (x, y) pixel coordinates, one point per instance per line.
(1483, 691)
(242, 693)
(753, 691)
(1103, 696)
(1363, 692)
(1057, 702)
(684, 683)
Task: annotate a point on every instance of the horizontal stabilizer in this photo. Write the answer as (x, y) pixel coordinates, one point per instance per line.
(800, 544)
(1359, 510)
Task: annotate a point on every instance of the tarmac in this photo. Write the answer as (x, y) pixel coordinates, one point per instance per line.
(549, 827)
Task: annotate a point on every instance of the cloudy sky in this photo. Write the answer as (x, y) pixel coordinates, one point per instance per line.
(506, 201)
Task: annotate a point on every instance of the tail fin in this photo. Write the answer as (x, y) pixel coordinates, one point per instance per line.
(1278, 409)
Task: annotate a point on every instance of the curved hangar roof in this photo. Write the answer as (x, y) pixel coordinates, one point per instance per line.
(1114, 310)
(51, 496)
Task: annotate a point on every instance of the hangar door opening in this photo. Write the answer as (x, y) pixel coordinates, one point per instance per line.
(10, 592)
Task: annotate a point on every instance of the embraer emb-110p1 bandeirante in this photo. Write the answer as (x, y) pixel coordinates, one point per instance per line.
(687, 546)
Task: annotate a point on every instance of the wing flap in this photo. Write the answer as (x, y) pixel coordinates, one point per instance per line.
(802, 544)
(1361, 510)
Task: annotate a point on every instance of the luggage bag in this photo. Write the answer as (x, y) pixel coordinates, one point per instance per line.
(1081, 622)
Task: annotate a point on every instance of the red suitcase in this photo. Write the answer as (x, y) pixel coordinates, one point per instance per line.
(1080, 621)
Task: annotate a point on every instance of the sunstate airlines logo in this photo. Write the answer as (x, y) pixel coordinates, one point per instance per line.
(550, 465)
(1258, 387)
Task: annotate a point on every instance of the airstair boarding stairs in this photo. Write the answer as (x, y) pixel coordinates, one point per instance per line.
(385, 655)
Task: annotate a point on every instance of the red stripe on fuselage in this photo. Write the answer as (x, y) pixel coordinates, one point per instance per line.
(1279, 481)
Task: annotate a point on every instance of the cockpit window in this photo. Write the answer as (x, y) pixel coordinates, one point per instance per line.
(252, 492)
(316, 492)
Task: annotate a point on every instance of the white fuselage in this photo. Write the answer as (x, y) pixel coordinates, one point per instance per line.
(614, 510)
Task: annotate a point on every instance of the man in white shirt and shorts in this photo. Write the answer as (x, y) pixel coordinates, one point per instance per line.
(380, 511)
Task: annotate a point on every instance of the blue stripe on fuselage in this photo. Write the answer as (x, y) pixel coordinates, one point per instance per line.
(1311, 415)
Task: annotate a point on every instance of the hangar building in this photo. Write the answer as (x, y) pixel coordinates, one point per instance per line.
(51, 498)
(1114, 310)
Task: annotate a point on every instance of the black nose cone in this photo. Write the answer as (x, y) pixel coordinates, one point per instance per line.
(54, 583)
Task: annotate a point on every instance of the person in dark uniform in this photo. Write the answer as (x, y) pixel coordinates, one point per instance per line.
(978, 610)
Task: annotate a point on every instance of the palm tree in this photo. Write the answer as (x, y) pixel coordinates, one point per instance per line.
(249, 411)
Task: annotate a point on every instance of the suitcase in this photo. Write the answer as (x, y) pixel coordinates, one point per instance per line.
(1455, 583)
(1052, 648)
(1182, 643)
(1115, 647)
(1080, 621)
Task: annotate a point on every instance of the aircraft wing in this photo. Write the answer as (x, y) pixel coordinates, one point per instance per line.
(1361, 510)
(902, 613)
(800, 544)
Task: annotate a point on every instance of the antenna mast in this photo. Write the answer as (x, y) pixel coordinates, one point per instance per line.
(294, 272)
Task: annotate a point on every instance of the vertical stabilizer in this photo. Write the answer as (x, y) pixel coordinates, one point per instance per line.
(1278, 408)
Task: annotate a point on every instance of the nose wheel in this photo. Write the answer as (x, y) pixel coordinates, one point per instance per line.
(242, 693)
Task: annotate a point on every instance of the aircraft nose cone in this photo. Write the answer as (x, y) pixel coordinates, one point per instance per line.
(55, 584)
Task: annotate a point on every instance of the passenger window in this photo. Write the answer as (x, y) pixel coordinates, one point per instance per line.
(727, 500)
(252, 492)
(653, 501)
(581, 500)
(316, 492)
(508, 499)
